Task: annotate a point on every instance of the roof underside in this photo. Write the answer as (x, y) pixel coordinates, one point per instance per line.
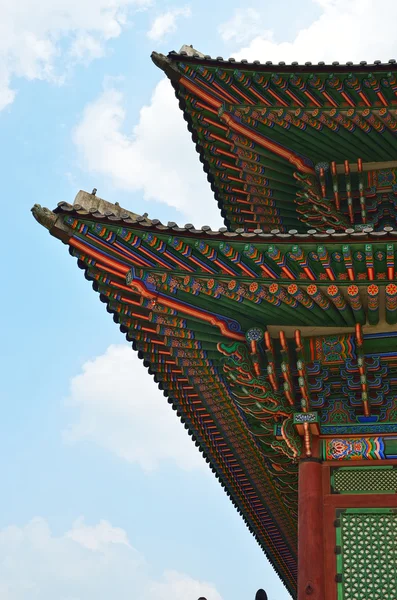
(188, 298)
(286, 145)
(176, 333)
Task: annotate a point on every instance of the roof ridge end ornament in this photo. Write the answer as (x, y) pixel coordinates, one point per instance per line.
(166, 65)
(44, 216)
(190, 51)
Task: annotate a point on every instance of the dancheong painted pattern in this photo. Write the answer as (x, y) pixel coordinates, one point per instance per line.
(274, 338)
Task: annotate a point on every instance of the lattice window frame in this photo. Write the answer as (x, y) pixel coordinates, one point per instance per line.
(364, 480)
(366, 575)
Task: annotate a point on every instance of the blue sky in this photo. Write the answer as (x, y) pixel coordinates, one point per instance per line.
(103, 495)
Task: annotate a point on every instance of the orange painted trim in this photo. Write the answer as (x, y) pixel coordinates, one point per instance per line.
(277, 97)
(245, 270)
(120, 286)
(108, 270)
(267, 272)
(196, 262)
(382, 99)
(151, 295)
(359, 334)
(312, 349)
(223, 140)
(346, 97)
(200, 92)
(224, 268)
(98, 256)
(283, 341)
(206, 107)
(224, 152)
(193, 312)
(298, 339)
(214, 123)
(309, 273)
(288, 273)
(330, 274)
(351, 275)
(294, 98)
(265, 143)
(240, 93)
(312, 98)
(364, 99)
(330, 99)
(222, 93)
(233, 168)
(121, 254)
(307, 439)
(260, 97)
(158, 259)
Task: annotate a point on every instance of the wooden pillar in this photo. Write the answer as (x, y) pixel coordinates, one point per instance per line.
(310, 531)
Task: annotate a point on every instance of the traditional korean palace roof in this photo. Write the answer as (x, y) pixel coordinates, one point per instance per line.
(282, 325)
(291, 145)
(251, 337)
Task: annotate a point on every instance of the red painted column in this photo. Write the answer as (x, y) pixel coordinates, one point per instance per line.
(311, 584)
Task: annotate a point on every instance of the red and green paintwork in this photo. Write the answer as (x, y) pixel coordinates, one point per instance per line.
(266, 335)
(186, 299)
(290, 145)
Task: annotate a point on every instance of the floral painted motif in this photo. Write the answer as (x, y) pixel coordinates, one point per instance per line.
(354, 449)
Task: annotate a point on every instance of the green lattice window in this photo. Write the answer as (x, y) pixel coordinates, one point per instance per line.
(367, 554)
(364, 480)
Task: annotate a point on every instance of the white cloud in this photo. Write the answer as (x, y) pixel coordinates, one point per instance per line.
(158, 158)
(86, 48)
(347, 30)
(39, 39)
(84, 563)
(120, 408)
(242, 26)
(97, 537)
(181, 587)
(166, 22)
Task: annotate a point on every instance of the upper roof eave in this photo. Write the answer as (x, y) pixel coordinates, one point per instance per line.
(281, 67)
(92, 207)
